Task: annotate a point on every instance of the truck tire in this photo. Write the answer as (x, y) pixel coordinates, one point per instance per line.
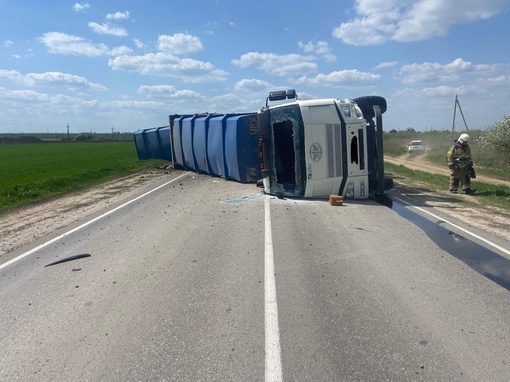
(367, 103)
(388, 183)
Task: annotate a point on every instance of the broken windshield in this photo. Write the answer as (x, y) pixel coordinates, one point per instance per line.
(287, 141)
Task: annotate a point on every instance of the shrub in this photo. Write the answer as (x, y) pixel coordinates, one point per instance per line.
(497, 138)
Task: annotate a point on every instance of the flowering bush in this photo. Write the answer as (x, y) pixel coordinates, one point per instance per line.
(497, 138)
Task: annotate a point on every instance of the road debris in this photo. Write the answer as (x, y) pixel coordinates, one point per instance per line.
(70, 258)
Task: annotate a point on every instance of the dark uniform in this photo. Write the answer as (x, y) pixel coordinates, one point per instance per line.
(459, 160)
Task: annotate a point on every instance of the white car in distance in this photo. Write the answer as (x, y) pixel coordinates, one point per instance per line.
(416, 147)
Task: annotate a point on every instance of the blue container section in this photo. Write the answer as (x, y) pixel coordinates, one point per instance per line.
(200, 144)
(140, 146)
(224, 145)
(175, 140)
(216, 146)
(153, 143)
(188, 151)
(164, 142)
(241, 148)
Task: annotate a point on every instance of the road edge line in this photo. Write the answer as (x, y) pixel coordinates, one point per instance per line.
(28, 253)
(494, 245)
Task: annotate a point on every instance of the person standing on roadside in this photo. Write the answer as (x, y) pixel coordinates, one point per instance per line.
(460, 163)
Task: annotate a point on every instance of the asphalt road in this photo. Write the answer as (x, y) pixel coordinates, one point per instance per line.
(178, 287)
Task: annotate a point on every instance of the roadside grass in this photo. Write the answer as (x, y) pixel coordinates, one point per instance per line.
(487, 194)
(34, 172)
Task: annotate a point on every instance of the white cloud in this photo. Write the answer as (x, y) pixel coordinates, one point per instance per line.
(120, 50)
(138, 43)
(81, 7)
(320, 48)
(345, 78)
(168, 91)
(411, 20)
(433, 71)
(503, 80)
(62, 43)
(442, 91)
(227, 98)
(179, 44)
(118, 16)
(230, 103)
(65, 79)
(253, 86)
(280, 65)
(480, 86)
(132, 104)
(107, 29)
(384, 65)
(8, 43)
(24, 95)
(167, 65)
(11, 75)
(148, 89)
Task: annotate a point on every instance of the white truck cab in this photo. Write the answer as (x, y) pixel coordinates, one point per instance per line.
(317, 148)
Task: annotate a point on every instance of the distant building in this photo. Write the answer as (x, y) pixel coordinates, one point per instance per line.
(83, 137)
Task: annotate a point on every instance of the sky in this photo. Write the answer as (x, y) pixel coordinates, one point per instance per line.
(123, 66)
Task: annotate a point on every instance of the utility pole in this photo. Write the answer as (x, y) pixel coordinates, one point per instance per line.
(112, 133)
(68, 131)
(457, 104)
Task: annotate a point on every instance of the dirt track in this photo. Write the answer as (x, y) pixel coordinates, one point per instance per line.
(416, 162)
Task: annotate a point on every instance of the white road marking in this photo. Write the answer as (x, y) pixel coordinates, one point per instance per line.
(494, 245)
(28, 253)
(272, 332)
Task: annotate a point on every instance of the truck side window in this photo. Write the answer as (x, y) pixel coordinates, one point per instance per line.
(354, 150)
(284, 152)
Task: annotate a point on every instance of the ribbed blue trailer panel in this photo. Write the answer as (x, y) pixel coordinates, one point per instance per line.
(200, 143)
(140, 146)
(241, 148)
(221, 145)
(187, 130)
(152, 143)
(175, 136)
(164, 142)
(215, 146)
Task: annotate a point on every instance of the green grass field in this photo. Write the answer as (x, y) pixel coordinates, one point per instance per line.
(34, 172)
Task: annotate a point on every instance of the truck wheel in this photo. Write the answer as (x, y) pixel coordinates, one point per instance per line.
(388, 183)
(368, 103)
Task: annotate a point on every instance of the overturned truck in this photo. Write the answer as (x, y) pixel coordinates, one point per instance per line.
(317, 148)
(295, 148)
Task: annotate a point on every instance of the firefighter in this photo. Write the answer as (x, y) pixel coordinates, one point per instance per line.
(460, 165)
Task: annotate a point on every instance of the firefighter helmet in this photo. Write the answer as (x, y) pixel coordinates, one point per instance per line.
(464, 138)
